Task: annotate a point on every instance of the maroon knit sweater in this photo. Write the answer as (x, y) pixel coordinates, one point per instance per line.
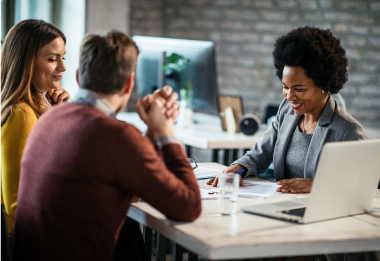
(79, 172)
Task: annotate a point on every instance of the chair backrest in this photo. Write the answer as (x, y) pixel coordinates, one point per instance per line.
(339, 98)
(5, 250)
(271, 110)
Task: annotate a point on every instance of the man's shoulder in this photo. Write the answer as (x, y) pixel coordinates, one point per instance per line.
(70, 111)
(88, 117)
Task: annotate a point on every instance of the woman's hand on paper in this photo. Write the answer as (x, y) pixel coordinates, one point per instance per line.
(295, 185)
(59, 95)
(234, 168)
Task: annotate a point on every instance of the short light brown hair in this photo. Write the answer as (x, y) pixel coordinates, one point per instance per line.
(106, 61)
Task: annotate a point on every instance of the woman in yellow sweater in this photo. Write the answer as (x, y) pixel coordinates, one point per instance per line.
(31, 70)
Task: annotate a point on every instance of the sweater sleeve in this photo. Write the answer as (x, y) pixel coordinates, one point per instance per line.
(167, 183)
(14, 134)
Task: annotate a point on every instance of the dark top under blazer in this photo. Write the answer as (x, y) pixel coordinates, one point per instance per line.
(335, 124)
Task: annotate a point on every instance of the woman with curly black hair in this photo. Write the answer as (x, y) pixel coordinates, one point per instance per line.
(311, 65)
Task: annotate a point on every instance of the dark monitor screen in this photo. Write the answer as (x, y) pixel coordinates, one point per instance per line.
(201, 69)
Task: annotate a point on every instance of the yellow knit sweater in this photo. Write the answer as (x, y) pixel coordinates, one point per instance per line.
(14, 134)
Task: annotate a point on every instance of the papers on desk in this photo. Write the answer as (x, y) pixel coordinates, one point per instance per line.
(256, 189)
(205, 173)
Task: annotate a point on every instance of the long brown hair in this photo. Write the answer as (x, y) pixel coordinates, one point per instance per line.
(18, 55)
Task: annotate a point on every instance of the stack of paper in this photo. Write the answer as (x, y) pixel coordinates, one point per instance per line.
(256, 189)
(206, 173)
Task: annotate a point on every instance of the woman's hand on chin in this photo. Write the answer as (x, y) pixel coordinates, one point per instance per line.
(59, 95)
(295, 185)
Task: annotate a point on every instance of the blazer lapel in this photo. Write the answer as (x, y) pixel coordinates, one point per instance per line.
(285, 133)
(315, 148)
(318, 140)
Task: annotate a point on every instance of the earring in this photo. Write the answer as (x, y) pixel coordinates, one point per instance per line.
(323, 91)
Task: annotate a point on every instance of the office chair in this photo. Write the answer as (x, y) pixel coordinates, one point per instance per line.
(271, 110)
(5, 250)
(339, 98)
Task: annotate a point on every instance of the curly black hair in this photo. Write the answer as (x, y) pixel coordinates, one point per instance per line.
(315, 50)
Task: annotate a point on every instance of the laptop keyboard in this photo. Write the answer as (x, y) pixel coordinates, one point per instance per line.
(300, 212)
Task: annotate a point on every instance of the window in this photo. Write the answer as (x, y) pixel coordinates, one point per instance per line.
(67, 15)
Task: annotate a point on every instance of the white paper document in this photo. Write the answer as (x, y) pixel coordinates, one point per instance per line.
(256, 189)
(204, 172)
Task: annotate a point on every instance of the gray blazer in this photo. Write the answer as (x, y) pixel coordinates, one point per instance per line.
(335, 124)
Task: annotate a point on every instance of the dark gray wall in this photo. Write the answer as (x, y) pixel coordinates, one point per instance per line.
(244, 32)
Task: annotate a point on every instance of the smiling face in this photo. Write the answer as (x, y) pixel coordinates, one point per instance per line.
(301, 92)
(48, 67)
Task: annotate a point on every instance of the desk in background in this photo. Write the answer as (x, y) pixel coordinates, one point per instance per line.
(207, 133)
(214, 236)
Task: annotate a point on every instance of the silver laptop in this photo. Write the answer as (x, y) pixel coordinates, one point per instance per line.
(345, 184)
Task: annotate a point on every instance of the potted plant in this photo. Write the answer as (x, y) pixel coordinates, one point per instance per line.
(175, 64)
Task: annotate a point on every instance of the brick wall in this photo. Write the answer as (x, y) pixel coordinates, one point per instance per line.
(244, 32)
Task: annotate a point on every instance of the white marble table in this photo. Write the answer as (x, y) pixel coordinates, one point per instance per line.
(214, 236)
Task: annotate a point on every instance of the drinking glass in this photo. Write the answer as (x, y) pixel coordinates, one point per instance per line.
(229, 187)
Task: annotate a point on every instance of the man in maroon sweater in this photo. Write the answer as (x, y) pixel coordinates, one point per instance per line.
(82, 167)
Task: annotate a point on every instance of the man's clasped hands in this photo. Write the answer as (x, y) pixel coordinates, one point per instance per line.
(159, 112)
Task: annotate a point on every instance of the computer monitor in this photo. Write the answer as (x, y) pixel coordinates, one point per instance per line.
(201, 69)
